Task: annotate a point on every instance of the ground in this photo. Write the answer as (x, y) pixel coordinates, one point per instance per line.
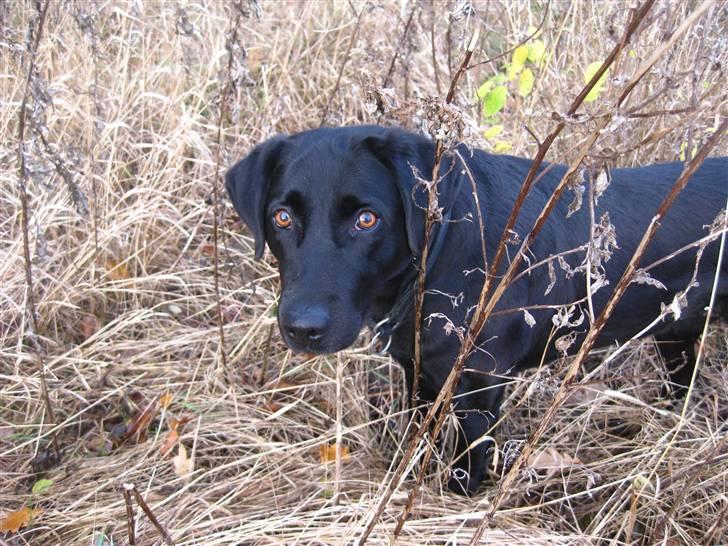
(155, 328)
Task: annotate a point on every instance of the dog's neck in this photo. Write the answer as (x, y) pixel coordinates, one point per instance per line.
(399, 310)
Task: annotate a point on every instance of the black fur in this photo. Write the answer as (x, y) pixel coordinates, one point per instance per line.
(336, 278)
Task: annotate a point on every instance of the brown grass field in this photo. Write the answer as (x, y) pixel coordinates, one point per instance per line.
(134, 110)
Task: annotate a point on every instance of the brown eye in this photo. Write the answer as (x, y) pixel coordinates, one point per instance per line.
(366, 220)
(282, 219)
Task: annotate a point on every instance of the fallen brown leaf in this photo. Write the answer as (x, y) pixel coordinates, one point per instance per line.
(169, 442)
(272, 406)
(20, 518)
(183, 464)
(551, 460)
(117, 271)
(175, 429)
(166, 399)
(327, 453)
(139, 426)
(89, 326)
(208, 249)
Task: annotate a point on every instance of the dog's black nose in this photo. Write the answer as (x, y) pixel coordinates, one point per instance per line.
(309, 326)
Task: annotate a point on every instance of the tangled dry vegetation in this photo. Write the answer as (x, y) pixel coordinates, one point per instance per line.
(133, 111)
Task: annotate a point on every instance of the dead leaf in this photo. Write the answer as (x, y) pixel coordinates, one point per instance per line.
(140, 424)
(117, 271)
(284, 384)
(166, 399)
(208, 249)
(169, 442)
(20, 518)
(89, 326)
(175, 429)
(183, 465)
(550, 460)
(99, 444)
(327, 453)
(45, 460)
(272, 406)
(528, 317)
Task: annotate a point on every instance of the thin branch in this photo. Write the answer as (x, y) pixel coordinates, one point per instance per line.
(130, 524)
(569, 379)
(543, 149)
(352, 41)
(419, 299)
(227, 89)
(519, 44)
(411, 17)
(430, 222)
(22, 185)
(338, 444)
(130, 487)
(435, 65)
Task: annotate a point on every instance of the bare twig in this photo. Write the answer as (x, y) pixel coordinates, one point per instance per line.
(527, 39)
(546, 144)
(505, 485)
(227, 89)
(352, 41)
(430, 221)
(385, 81)
(125, 489)
(419, 299)
(339, 431)
(435, 65)
(22, 185)
(427, 456)
(130, 487)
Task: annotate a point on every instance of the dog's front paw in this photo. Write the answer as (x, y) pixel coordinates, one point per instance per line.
(463, 483)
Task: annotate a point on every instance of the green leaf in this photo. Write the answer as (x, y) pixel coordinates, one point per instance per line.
(502, 146)
(632, 54)
(640, 482)
(192, 407)
(494, 101)
(536, 51)
(484, 89)
(589, 73)
(41, 486)
(684, 149)
(525, 82)
(520, 56)
(493, 132)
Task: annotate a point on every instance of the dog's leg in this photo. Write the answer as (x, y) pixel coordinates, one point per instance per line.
(679, 356)
(470, 466)
(476, 414)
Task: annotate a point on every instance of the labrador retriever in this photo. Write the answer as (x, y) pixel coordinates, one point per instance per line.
(342, 210)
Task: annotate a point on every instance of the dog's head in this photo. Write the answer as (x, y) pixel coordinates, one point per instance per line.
(341, 210)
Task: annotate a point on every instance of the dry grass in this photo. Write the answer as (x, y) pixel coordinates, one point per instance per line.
(126, 301)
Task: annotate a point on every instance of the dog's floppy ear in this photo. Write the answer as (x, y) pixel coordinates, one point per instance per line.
(405, 154)
(247, 184)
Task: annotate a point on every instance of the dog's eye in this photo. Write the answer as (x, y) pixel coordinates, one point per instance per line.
(366, 220)
(283, 219)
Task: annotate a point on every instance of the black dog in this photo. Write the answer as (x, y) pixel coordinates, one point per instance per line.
(342, 212)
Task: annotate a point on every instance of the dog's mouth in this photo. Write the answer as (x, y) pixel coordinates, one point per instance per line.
(319, 343)
(315, 347)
